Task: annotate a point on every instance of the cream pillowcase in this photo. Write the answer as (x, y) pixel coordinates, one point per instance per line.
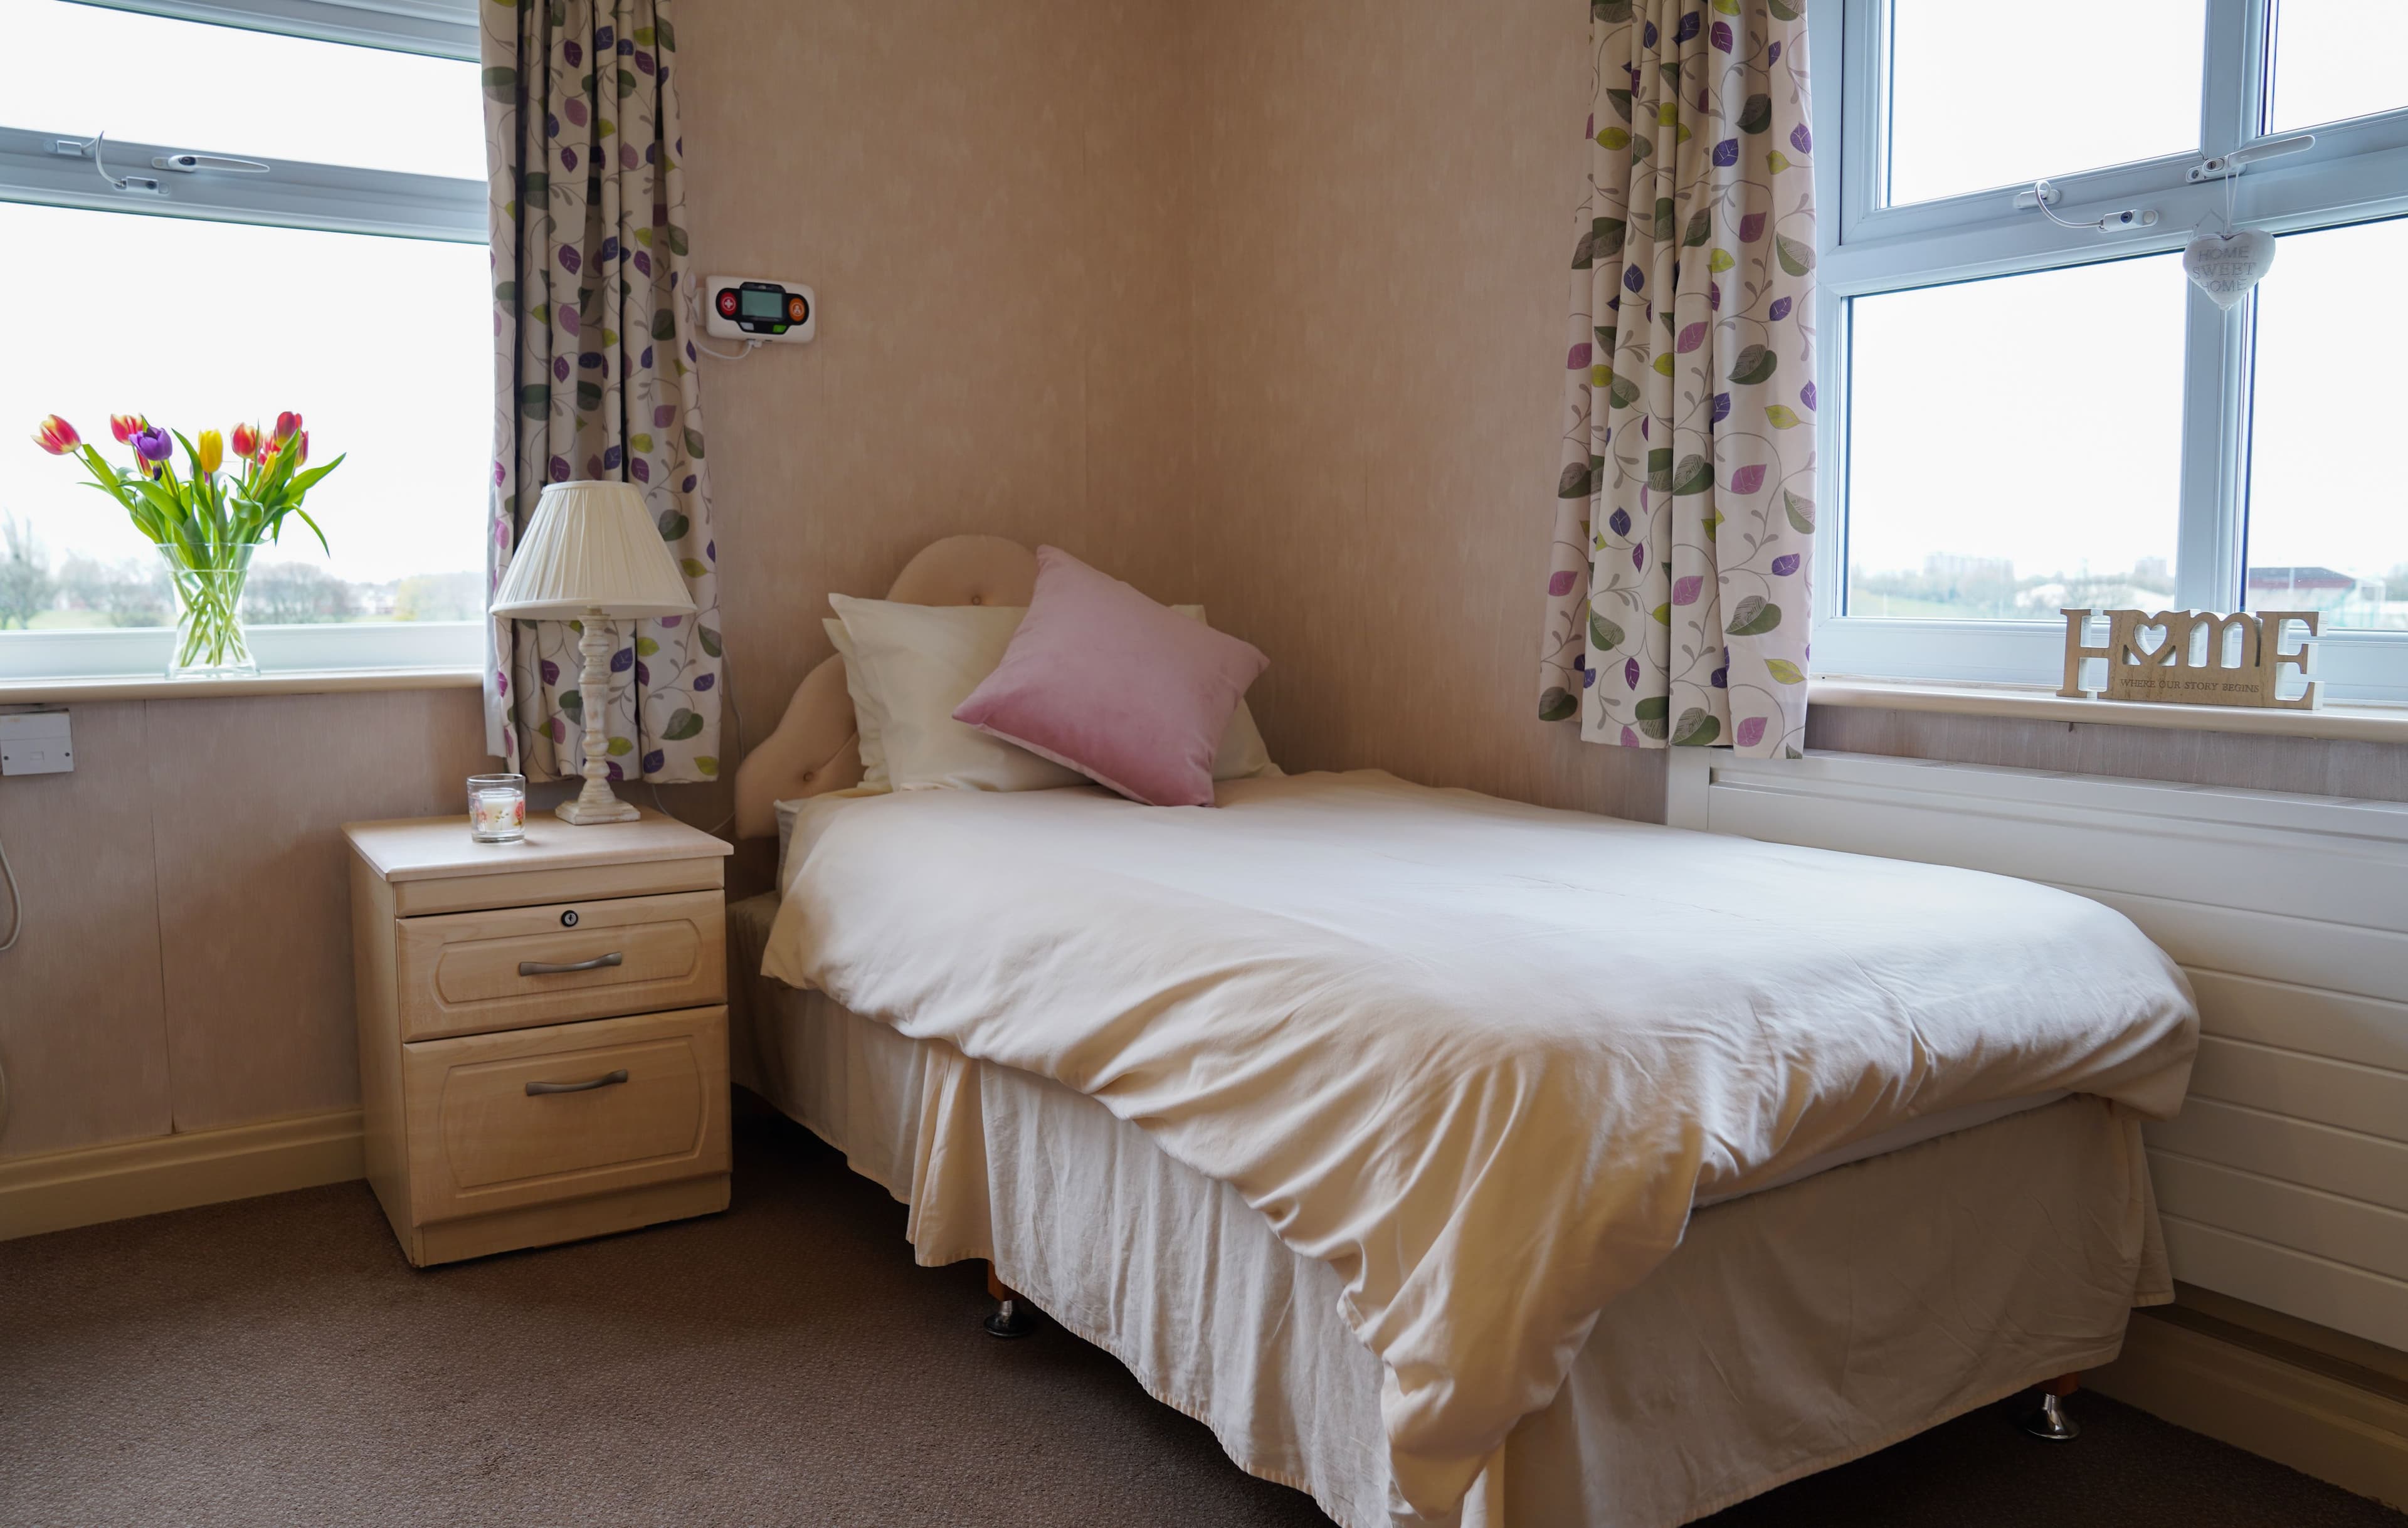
(867, 719)
(919, 663)
(908, 667)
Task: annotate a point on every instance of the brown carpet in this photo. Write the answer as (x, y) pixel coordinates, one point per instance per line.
(276, 1361)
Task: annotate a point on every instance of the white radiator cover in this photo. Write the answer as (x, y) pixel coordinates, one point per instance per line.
(2284, 1180)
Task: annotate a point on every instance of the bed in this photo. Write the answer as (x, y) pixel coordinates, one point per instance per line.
(1263, 1100)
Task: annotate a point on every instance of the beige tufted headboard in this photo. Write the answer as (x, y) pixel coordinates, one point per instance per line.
(814, 750)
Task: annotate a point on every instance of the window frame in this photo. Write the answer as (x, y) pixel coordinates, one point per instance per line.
(330, 198)
(2356, 172)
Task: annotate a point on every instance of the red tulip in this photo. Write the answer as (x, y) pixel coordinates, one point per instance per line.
(125, 426)
(57, 437)
(288, 424)
(305, 447)
(246, 442)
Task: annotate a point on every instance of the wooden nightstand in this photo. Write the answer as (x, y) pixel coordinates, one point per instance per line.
(543, 1029)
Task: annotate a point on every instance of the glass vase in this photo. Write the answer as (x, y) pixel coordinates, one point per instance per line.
(210, 643)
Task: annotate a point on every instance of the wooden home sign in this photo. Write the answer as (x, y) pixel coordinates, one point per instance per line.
(2191, 657)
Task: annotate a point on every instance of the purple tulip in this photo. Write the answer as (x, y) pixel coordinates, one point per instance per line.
(153, 444)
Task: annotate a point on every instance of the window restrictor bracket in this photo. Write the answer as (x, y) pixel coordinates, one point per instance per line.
(2224, 166)
(138, 185)
(2045, 196)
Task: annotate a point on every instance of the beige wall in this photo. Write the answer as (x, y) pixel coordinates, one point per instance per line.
(186, 960)
(990, 203)
(1381, 238)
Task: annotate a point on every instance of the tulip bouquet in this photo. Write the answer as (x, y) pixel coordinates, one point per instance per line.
(206, 524)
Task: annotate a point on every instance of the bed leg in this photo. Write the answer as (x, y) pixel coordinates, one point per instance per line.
(1013, 1316)
(2050, 1421)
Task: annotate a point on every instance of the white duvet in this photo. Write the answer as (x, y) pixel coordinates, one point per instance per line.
(1479, 1057)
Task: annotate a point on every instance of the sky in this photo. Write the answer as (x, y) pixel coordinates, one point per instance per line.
(2037, 418)
(383, 345)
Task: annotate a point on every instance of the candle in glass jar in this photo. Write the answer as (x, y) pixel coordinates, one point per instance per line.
(498, 808)
(499, 811)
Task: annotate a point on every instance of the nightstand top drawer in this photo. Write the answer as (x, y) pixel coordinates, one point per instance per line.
(439, 848)
(516, 968)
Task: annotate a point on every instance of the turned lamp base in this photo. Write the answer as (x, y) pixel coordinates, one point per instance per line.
(584, 813)
(594, 802)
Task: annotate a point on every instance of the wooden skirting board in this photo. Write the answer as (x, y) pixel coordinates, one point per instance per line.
(64, 1189)
(2352, 1434)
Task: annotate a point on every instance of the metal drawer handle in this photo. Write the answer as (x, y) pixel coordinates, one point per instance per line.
(545, 968)
(537, 1090)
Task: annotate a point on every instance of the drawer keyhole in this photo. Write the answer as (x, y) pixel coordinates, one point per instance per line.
(568, 919)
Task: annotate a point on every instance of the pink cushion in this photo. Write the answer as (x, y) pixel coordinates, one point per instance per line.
(1102, 679)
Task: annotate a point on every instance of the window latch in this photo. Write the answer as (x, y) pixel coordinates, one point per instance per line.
(2234, 163)
(188, 163)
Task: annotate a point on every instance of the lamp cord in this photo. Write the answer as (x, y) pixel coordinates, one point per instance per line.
(16, 930)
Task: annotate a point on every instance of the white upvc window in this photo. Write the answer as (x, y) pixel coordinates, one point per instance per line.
(2019, 416)
(346, 281)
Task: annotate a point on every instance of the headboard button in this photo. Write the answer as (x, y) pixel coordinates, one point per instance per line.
(978, 599)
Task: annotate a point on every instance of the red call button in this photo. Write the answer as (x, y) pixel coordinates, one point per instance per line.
(796, 310)
(727, 303)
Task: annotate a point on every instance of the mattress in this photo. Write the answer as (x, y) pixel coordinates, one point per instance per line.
(1796, 1327)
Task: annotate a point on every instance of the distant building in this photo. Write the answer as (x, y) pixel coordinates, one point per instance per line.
(2351, 600)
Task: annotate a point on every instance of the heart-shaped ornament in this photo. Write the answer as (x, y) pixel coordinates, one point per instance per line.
(2227, 265)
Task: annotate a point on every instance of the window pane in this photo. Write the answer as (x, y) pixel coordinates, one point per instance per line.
(2016, 444)
(1984, 96)
(2328, 510)
(2336, 59)
(383, 345)
(228, 91)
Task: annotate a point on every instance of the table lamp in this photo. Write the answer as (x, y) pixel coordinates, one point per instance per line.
(593, 553)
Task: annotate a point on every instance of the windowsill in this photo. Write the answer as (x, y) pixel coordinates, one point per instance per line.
(328, 681)
(2034, 703)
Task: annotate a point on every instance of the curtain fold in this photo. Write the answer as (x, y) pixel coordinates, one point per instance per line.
(594, 370)
(1679, 594)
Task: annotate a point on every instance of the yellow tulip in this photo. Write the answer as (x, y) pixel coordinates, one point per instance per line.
(212, 450)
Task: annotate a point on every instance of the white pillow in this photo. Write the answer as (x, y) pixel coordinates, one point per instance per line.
(919, 661)
(1242, 754)
(867, 719)
(908, 666)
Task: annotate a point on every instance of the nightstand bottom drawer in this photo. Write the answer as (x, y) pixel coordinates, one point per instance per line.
(534, 1116)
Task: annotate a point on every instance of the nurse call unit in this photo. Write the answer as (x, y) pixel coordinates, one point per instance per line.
(750, 308)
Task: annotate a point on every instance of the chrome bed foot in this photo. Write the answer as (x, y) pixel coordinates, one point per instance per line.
(2051, 1423)
(1011, 1319)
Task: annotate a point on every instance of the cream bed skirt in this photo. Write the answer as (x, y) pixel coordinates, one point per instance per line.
(1793, 1330)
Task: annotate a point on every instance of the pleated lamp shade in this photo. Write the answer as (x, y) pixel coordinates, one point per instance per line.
(592, 547)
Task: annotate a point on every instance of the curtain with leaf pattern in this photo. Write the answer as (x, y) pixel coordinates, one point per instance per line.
(594, 371)
(1679, 591)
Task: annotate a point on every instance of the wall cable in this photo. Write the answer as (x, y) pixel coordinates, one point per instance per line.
(16, 929)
